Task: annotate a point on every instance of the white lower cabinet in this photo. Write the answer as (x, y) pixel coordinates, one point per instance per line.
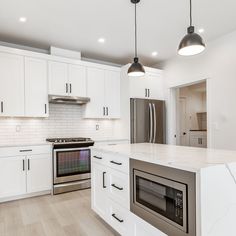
(111, 195)
(39, 173)
(12, 176)
(24, 174)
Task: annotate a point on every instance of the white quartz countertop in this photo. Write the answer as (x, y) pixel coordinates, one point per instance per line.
(184, 158)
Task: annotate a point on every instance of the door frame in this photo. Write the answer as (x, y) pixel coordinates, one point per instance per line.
(173, 129)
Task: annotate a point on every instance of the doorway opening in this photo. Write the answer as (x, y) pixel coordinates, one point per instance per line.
(191, 115)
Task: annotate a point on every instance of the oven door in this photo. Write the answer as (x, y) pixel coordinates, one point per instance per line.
(71, 165)
(163, 198)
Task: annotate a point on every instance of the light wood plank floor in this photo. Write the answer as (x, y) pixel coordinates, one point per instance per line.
(67, 214)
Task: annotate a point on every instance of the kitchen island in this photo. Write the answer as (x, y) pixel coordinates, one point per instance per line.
(154, 189)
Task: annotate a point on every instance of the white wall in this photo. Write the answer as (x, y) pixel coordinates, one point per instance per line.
(63, 121)
(218, 65)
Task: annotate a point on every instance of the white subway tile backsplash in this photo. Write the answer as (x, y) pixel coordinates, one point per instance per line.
(63, 121)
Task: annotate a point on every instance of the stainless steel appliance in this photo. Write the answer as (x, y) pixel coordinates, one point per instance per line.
(164, 197)
(147, 121)
(71, 164)
(68, 99)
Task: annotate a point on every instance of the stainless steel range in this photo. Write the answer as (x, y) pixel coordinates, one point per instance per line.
(71, 164)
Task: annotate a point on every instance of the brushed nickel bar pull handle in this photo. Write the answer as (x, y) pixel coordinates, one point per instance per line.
(66, 88)
(145, 92)
(45, 107)
(96, 157)
(70, 88)
(103, 180)
(28, 164)
(116, 163)
(1, 107)
(104, 111)
(26, 150)
(107, 111)
(114, 216)
(23, 165)
(119, 188)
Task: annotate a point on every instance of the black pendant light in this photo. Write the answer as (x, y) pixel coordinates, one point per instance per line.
(136, 69)
(192, 43)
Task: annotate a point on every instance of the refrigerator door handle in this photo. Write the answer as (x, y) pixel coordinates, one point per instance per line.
(155, 123)
(150, 123)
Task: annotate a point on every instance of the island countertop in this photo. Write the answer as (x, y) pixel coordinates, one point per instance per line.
(179, 157)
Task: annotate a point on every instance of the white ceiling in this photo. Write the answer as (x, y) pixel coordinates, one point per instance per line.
(77, 24)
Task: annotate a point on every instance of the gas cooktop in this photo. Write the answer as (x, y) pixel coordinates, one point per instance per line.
(69, 142)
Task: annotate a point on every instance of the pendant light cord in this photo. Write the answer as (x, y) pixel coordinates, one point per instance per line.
(136, 53)
(191, 20)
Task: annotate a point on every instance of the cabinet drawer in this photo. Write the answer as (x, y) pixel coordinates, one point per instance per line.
(120, 219)
(25, 150)
(98, 157)
(119, 163)
(119, 187)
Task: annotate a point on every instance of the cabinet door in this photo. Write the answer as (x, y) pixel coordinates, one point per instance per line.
(99, 190)
(95, 91)
(39, 173)
(58, 78)
(77, 81)
(11, 85)
(12, 176)
(138, 87)
(155, 86)
(112, 94)
(36, 87)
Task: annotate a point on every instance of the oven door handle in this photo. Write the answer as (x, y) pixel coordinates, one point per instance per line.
(96, 157)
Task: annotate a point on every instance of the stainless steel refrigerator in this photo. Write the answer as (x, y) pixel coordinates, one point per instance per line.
(147, 121)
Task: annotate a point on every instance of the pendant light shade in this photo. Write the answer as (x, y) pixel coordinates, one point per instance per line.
(192, 43)
(136, 69)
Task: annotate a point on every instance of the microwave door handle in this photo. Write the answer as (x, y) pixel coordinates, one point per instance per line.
(150, 123)
(155, 123)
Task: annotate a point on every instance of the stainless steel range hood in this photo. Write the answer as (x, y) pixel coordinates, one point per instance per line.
(68, 100)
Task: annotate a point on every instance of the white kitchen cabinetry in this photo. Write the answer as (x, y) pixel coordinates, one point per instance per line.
(36, 87)
(39, 172)
(110, 195)
(67, 79)
(11, 85)
(103, 88)
(12, 176)
(150, 86)
(25, 171)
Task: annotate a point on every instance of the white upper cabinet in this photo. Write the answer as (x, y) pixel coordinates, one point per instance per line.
(103, 88)
(67, 79)
(95, 91)
(148, 87)
(11, 85)
(112, 93)
(36, 87)
(77, 81)
(58, 78)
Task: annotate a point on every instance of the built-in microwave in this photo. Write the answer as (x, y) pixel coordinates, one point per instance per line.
(164, 197)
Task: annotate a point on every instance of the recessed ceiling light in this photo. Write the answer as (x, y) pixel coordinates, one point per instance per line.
(22, 19)
(154, 54)
(101, 40)
(201, 30)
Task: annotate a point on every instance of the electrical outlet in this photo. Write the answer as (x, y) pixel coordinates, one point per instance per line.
(18, 128)
(97, 127)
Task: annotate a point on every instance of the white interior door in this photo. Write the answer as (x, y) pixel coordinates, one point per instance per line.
(36, 87)
(112, 93)
(39, 173)
(12, 176)
(58, 78)
(183, 132)
(11, 85)
(77, 81)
